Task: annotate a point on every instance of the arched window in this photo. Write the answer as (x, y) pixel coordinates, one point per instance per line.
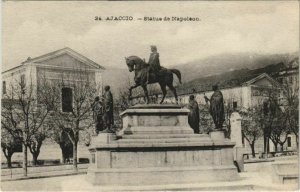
(67, 99)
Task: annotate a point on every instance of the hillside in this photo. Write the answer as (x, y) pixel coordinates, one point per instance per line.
(233, 78)
(222, 63)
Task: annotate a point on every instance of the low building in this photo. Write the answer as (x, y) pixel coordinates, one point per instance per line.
(64, 64)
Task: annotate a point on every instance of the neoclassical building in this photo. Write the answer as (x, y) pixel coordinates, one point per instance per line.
(65, 64)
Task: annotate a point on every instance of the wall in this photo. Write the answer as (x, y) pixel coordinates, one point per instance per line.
(13, 77)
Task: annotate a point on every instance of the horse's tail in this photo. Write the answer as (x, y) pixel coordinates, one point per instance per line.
(177, 73)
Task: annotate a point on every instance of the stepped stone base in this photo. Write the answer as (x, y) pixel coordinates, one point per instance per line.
(161, 175)
(156, 147)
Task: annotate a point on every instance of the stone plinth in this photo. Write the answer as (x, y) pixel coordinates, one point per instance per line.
(157, 146)
(153, 119)
(217, 135)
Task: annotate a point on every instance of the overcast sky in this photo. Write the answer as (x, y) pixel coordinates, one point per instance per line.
(35, 28)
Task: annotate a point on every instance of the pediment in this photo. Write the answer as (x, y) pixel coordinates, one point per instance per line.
(263, 80)
(65, 57)
(66, 60)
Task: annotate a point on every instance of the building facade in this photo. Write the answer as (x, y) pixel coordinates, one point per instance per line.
(64, 65)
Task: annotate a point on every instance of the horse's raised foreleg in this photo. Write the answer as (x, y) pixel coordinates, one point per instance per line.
(164, 91)
(146, 93)
(130, 90)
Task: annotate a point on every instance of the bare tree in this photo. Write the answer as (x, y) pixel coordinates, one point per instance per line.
(23, 116)
(279, 133)
(279, 129)
(280, 114)
(74, 114)
(252, 126)
(290, 106)
(9, 145)
(61, 138)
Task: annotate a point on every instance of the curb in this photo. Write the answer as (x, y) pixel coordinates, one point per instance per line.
(44, 176)
(259, 161)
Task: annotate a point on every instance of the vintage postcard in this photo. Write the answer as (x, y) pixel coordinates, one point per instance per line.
(150, 95)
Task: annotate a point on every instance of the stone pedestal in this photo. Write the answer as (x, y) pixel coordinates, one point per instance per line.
(217, 135)
(157, 147)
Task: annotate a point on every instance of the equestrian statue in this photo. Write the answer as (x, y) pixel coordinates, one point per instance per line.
(152, 72)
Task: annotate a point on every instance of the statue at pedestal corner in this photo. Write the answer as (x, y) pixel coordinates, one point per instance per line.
(216, 107)
(108, 109)
(193, 117)
(97, 108)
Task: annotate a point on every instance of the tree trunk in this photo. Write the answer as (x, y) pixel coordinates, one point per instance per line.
(8, 158)
(75, 168)
(276, 146)
(25, 160)
(265, 141)
(35, 158)
(252, 149)
(63, 158)
(267, 147)
(35, 153)
(281, 146)
(8, 152)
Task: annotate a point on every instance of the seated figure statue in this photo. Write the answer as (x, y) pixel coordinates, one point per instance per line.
(154, 64)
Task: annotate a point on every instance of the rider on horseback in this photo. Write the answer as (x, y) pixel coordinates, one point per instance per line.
(154, 64)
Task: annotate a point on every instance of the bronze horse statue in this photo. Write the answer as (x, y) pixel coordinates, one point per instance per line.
(164, 77)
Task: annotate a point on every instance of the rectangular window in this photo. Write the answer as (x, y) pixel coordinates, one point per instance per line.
(23, 84)
(243, 138)
(234, 105)
(23, 80)
(67, 99)
(4, 87)
(289, 141)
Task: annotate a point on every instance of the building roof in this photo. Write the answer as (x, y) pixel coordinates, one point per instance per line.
(263, 75)
(56, 53)
(61, 52)
(19, 66)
